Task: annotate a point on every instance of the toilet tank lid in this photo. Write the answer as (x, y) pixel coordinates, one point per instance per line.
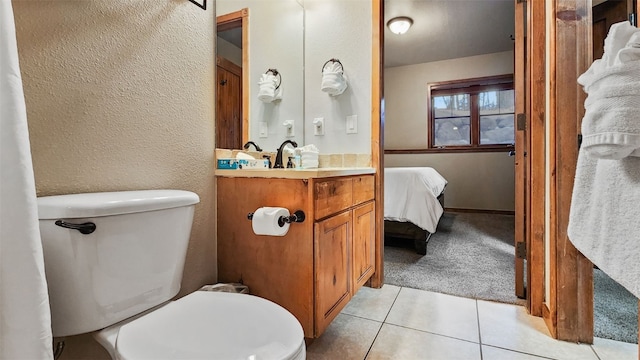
(112, 203)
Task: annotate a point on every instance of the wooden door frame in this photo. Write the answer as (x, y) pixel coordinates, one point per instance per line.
(521, 160)
(536, 96)
(234, 20)
(377, 135)
(568, 312)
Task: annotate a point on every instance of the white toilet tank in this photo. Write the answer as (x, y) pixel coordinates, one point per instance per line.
(131, 262)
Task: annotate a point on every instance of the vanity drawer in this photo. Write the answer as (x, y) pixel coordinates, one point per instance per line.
(363, 189)
(332, 196)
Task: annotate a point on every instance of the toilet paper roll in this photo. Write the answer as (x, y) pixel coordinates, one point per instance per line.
(265, 221)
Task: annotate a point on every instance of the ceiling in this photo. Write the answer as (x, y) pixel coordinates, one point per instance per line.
(442, 29)
(448, 29)
(233, 36)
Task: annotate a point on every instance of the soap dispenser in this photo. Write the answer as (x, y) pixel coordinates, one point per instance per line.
(297, 159)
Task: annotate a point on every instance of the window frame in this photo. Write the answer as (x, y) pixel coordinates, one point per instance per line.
(473, 87)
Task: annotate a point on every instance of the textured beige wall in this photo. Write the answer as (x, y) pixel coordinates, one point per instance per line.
(120, 96)
(405, 92)
(482, 181)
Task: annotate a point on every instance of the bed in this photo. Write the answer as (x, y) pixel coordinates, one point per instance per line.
(413, 204)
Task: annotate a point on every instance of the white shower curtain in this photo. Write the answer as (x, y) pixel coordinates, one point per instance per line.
(25, 319)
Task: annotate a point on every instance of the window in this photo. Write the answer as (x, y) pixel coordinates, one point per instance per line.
(472, 114)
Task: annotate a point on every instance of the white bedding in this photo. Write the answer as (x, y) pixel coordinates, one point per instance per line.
(411, 195)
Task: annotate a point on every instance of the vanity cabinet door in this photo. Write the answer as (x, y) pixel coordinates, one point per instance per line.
(332, 268)
(362, 244)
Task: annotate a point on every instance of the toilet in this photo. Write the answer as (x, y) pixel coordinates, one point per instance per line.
(113, 262)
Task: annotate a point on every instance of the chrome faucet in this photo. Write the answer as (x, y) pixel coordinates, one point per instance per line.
(249, 143)
(278, 162)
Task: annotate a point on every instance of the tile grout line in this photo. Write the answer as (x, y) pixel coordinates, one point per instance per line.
(433, 333)
(500, 347)
(595, 352)
(520, 352)
(382, 324)
(479, 332)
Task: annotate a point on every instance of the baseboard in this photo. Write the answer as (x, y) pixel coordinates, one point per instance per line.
(483, 211)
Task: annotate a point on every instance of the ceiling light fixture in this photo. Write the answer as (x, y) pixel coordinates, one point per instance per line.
(400, 25)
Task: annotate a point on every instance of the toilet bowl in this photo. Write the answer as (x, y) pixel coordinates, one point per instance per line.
(113, 262)
(208, 325)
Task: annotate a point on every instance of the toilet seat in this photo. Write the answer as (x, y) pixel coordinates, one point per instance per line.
(213, 325)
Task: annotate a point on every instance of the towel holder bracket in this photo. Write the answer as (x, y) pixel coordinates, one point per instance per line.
(203, 6)
(276, 73)
(333, 60)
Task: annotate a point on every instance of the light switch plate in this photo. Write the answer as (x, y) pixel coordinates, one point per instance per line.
(264, 130)
(352, 124)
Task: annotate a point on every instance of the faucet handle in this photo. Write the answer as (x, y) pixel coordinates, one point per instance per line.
(268, 157)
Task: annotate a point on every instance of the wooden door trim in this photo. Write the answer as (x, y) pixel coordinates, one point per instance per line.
(233, 20)
(377, 133)
(228, 65)
(549, 307)
(570, 304)
(537, 90)
(519, 84)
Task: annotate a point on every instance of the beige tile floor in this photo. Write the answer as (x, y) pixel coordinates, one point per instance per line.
(402, 323)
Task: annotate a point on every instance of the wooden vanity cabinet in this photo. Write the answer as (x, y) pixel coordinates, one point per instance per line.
(315, 269)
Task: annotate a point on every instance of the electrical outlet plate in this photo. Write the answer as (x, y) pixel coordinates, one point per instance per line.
(288, 124)
(264, 130)
(318, 126)
(352, 124)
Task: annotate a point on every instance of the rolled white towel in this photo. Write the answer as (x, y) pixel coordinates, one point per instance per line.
(267, 91)
(334, 81)
(278, 93)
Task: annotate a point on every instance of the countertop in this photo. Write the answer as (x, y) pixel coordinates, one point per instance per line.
(296, 173)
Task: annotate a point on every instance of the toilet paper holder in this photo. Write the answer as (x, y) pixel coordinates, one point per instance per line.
(297, 216)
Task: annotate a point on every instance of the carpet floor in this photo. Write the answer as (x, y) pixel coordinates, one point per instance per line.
(472, 255)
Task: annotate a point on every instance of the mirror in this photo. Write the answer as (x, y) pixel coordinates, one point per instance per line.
(274, 39)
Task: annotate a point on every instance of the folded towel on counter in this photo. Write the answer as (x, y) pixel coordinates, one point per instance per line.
(611, 126)
(309, 149)
(308, 156)
(309, 164)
